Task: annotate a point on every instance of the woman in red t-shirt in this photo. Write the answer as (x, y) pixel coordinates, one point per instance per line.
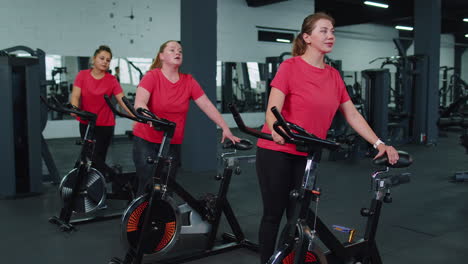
(307, 92)
(167, 93)
(88, 92)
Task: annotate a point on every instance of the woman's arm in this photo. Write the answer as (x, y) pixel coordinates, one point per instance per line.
(142, 98)
(360, 125)
(75, 97)
(276, 99)
(122, 104)
(210, 110)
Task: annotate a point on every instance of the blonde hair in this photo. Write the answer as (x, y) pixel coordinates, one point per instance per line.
(157, 63)
(299, 45)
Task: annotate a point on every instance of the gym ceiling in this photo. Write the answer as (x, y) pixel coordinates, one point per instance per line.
(399, 12)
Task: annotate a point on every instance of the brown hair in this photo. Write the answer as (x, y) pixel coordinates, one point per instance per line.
(299, 45)
(102, 48)
(157, 63)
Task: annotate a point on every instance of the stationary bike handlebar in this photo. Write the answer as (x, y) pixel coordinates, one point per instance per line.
(142, 115)
(300, 137)
(68, 109)
(248, 130)
(117, 112)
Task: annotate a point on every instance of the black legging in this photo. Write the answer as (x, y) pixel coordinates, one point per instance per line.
(103, 136)
(278, 173)
(143, 149)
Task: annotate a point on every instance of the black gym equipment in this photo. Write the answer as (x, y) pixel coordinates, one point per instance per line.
(446, 92)
(21, 122)
(153, 223)
(459, 122)
(84, 189)
(458, 106)
(297, 243)
(352, 147)
(337, 64)
(271, 67)
(140, 73)
(399, 110)
(377, 85)
(236, 87)
(389, 110)
(59, 88)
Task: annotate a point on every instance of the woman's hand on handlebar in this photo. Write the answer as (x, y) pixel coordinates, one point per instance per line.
(277, 138)
(228, 134)
(391, 152)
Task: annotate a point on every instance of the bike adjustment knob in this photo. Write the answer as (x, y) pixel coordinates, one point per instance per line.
(366, 212)
(387, 198)
(150, 160)
(294, 194)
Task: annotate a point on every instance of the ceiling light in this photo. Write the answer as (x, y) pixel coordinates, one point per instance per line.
(375, 4)
(465, 20)
(283, 40)
(466, 36)
(404, 28)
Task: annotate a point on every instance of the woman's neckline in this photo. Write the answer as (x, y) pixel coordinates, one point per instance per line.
(97, 78)
(168, 79)
(313, 66)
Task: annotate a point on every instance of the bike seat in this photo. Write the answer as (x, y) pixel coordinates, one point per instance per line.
(243, 144)
(404, 161)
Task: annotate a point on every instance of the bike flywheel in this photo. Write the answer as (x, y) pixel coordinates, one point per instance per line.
(91, 192)
(164, 225)
(314, 256)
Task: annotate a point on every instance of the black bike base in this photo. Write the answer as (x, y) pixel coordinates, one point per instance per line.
(461, 176)
(68, 226)
(63, 225)
(230, 244)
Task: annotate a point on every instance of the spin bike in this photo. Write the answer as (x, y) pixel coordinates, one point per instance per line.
(297, 243)
(153, 222)
(85, 189)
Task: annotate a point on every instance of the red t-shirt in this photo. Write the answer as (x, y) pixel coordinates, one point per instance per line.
(167, 100)
(312, 97)
(92, 96)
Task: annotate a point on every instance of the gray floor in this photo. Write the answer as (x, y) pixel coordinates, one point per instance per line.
(426, 223)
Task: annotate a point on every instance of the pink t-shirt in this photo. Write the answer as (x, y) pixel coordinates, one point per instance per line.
(92, 96)
(168, 100)
(313, 96)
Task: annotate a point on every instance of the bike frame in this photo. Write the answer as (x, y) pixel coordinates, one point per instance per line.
(304, 225)
(162, 183)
